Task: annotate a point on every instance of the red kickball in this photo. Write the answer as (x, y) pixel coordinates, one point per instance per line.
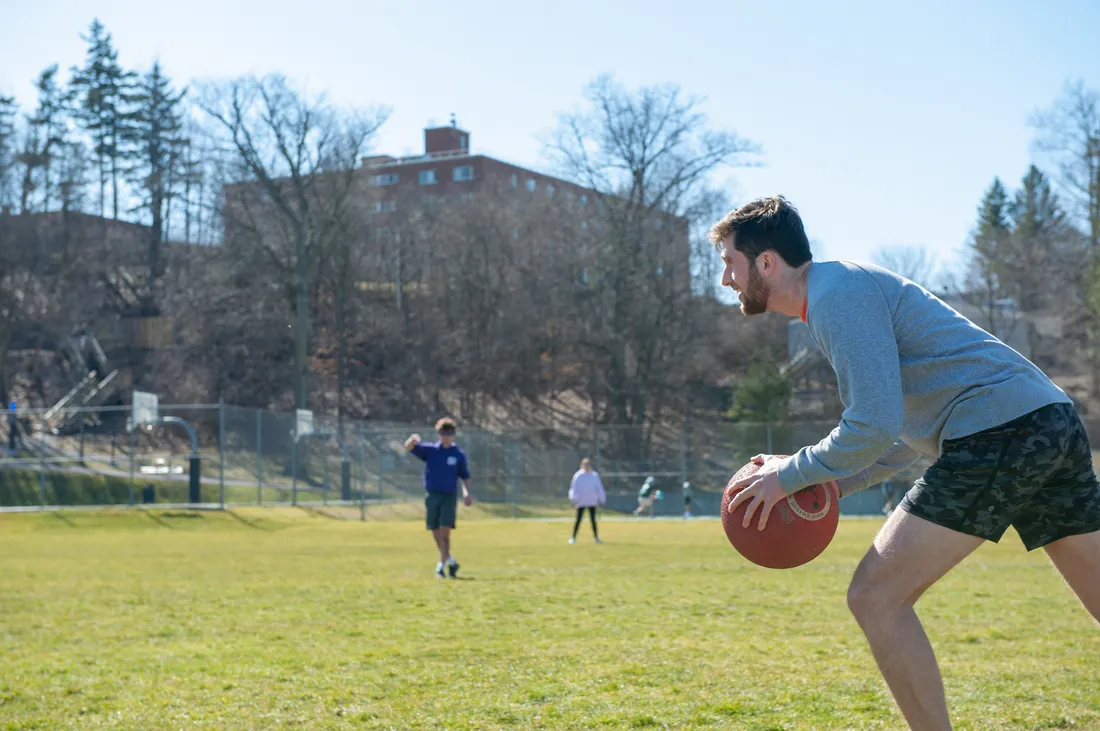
(799, 528)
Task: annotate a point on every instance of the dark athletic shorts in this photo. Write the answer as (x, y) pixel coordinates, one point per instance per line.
(1033, 473)
(442, 507)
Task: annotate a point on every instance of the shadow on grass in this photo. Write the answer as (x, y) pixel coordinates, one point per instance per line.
(320, 513)
(64, 518)
(255, 525)
(157, 519)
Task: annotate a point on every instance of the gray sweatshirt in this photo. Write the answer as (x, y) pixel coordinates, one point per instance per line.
(911, 372)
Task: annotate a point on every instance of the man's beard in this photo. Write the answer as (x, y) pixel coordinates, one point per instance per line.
(754, 297)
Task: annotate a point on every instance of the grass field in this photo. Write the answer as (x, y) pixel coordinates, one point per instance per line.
(276, 618)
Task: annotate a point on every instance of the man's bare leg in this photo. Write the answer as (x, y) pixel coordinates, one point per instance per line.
(444, 544)
(1078, 560)
(437, 534)
(908, 556)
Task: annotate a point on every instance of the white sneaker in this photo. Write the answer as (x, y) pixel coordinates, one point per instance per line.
(598, 541)
(572, 541)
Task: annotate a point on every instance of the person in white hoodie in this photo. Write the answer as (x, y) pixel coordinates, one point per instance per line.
(586, 492)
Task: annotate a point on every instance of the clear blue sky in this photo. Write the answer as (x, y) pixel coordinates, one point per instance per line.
(882, 121)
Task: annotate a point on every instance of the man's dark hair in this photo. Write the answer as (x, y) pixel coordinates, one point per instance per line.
(765, 223)
(446, 424)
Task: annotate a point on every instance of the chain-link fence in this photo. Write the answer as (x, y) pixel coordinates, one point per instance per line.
(223, 455)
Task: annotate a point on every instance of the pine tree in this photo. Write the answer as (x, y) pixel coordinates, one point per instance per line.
(989, 243)
(50, 123)
(157, 125)
(764, 394)
(990, 239)
(1039, 237)
(1036, 209)
(31, 158)
(104, 95)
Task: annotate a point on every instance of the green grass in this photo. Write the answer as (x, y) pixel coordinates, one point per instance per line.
(280, 618)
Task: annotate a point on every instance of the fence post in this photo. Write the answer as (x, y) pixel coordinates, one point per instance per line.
(221, 451)
(597, 429)
(488, 461)
(81, 437)
(363, 473)
(259, 457)
(131, 457)
(363, 491)
(512, 486)
(380, 473)
(683, 457)
(42, 467)
(768, 437)
(324, 479)
(294, 464)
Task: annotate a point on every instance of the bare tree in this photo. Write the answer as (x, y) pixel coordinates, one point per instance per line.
(915, 263)
(295, 159)
(647, 155)
(1069, 131)
(706, 267)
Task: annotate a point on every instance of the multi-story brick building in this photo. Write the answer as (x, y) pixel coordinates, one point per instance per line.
(448, 167)
(390, 187)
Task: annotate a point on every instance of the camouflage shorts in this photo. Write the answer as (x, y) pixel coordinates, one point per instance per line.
(1033, 473)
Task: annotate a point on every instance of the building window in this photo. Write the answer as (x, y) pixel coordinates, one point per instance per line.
(584, 200)
(463, 172)
(515, 180)
(462, 141)
(388, 179)
(550, 189)
(427, 177)
(531, 185)
(385, 207)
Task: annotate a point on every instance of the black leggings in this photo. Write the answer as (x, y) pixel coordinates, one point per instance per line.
(580, 515)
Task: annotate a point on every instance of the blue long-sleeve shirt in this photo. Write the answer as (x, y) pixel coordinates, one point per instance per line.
(911, 372)
(443, 466)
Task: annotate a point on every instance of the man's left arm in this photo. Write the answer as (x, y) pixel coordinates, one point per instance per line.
(893, 460)
(854, 326)
(864, 352)
(464, 474)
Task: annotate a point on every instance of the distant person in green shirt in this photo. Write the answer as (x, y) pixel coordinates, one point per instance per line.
(647, 496)
(687, 499)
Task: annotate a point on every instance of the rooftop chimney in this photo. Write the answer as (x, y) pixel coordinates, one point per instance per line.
(439, 140)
